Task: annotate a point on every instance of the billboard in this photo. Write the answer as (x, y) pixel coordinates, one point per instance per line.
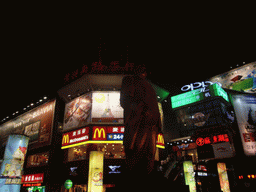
(245, 109)
(98, 106)
(78, 112)
(240, 79)
(106, 107)
(14, 156)
(36, 124)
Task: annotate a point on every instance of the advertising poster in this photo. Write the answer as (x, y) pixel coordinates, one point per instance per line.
(245, 110)
(36, 124)
(240, 79)
(106, 107)
(95, 181)
(14, 156)
(189, 175)
(78, 112)
(223, 177)
(8, 188)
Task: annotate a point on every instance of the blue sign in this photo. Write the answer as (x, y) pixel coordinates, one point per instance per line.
(115, 136)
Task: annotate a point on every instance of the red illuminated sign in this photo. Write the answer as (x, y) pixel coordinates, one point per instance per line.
(213, 139)
(99, 133)
(32, 178)
(107, 133)
(31, 184)
(76, 136)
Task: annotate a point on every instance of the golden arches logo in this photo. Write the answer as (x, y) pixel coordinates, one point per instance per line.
(99, 131)
(160, 139)
(65, 139)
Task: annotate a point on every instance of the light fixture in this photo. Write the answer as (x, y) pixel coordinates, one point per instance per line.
(24, 108)
(32, 104)
(45, 97)
(40, 100)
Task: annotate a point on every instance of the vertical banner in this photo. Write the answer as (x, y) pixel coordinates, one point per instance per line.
(245, 109)
(95, 181)
(12, 166)
(223, 176)
(189, 175)
(14, 156)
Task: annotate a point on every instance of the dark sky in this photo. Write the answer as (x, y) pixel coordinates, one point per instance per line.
(37, 51)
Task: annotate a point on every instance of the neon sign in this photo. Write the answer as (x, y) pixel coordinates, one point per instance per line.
(197, 95)
(200, 141)
(203, 85)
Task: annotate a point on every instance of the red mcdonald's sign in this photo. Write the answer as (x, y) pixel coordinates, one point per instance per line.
(99, 133)
(160, 141)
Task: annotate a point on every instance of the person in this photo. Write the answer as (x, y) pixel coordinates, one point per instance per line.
(142, 124)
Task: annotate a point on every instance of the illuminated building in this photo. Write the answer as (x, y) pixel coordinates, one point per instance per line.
(93, 128)
(214, 128)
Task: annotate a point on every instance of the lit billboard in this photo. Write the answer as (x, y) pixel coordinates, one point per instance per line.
(36, 124)
(240, 79)
(97, 106)
(106, 107)
(99, 134)
(78, 112)
(245, 109)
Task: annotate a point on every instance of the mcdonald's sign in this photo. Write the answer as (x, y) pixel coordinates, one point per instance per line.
(74, 138)
(65, 139)
(99, 133)
(160, 141)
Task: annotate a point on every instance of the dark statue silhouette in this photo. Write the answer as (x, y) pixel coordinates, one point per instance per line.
(142, 124)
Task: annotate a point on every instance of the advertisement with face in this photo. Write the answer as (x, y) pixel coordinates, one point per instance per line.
(106, 107)
(36, 124)
(78, 112)
(245, 109)
(240, 79)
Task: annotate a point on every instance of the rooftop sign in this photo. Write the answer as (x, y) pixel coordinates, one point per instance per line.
(198, 95)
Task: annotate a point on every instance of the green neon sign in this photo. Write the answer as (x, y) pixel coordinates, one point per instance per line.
(197, 95)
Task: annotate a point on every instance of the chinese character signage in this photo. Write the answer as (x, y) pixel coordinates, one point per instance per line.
(109, 133)
(245, 110)
(33, 178)
(99, 134)
(36, 124)
(212, 139)
(76, 137)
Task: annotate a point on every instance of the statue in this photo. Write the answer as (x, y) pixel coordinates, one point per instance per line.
(142, 124)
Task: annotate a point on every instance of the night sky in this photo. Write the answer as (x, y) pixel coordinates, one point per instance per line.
(38, 51)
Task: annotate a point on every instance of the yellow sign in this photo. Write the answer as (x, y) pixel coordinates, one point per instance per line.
(99, 131)
(160, 141)
(65, 139)
(95, 181)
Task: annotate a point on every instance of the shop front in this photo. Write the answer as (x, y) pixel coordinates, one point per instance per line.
(78, 146)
